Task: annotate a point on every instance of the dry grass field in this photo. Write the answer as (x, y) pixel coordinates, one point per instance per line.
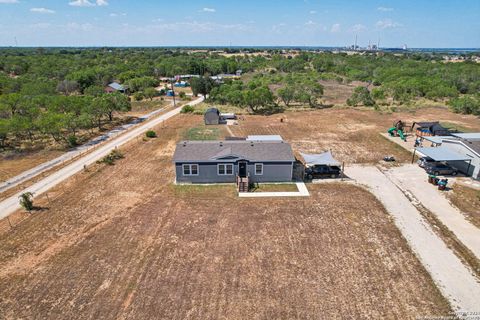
(468, 201)
(123, 242)
(351, 134)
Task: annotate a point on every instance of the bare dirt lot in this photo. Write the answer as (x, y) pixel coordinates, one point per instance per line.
(122, 242)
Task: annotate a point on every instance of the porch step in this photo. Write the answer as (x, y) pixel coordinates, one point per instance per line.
(242, 184)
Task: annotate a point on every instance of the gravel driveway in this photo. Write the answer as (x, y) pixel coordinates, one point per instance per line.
(452, 277)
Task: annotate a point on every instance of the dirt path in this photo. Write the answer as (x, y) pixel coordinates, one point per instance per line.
(455, 280)
(413, 179)
(11, 204)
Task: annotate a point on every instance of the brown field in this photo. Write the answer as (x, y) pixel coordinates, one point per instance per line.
(468, 201)
(123, 242)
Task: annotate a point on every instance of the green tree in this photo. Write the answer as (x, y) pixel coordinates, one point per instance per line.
(258, 99)
(150, 93)
(109, 103)
(286, 94)
(361, 95)
(202, 85)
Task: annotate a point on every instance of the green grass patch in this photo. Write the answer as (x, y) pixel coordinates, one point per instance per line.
(202, 133)
(275, 187)
(204, 191)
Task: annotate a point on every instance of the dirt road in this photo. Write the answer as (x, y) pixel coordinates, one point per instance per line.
(453, 278)
(70, 155)
(11, 204)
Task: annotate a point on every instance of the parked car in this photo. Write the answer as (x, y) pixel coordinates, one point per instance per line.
(322, 171)
(424, 161)
(437, 168)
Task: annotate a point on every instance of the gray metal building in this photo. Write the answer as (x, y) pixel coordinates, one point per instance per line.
(224, 161)
(461, 150)
(212, 116)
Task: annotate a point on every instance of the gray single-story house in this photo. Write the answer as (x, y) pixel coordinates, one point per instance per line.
(224, 161)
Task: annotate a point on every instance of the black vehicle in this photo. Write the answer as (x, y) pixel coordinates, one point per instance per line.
(437, 168)
(322, 171)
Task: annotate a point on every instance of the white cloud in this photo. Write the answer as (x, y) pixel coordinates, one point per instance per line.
(384, 9)
(9, 1)
(208, 10)
(194, 27)
(388, 24)
(113, 14)
(358, 28)
(313, 12)
(310, 23)
(80, 26)
(88, 3)
(42, 10)
(335, 27)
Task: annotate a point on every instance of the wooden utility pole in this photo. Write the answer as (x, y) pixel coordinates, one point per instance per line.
(173, 90)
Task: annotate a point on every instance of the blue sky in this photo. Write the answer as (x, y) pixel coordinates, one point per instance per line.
(417, 23)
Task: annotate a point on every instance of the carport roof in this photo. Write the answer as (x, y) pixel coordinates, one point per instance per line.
(325, 158)
(443, 154)
(437, 139)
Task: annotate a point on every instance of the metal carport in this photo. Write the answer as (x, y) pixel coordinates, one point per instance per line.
(325, 158)
(443, 154)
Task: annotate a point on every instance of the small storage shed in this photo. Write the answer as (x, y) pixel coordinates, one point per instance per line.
(212, 116)
(430, 129)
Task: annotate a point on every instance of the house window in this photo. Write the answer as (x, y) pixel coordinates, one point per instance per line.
(190, 169)
(258, 169)
(225, 169)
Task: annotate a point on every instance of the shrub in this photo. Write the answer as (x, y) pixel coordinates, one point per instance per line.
(187, 109)
(151, 134)
(111, 157)
(182, 95)
(26, 201)
(72, 141)
(138, 96)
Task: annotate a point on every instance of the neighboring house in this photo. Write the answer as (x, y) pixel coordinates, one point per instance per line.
(465, 147)
(114, 87)
(224, 161)
(470, 149)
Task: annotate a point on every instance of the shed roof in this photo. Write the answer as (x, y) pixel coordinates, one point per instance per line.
(116, 86)
(213, 151)
(443, 154)
(325, 158)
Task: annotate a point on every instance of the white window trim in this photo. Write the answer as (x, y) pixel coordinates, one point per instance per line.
(190, 169)
(255, 168)
(225, 169)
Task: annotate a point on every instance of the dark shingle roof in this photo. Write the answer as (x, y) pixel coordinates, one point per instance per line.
(212, 151)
